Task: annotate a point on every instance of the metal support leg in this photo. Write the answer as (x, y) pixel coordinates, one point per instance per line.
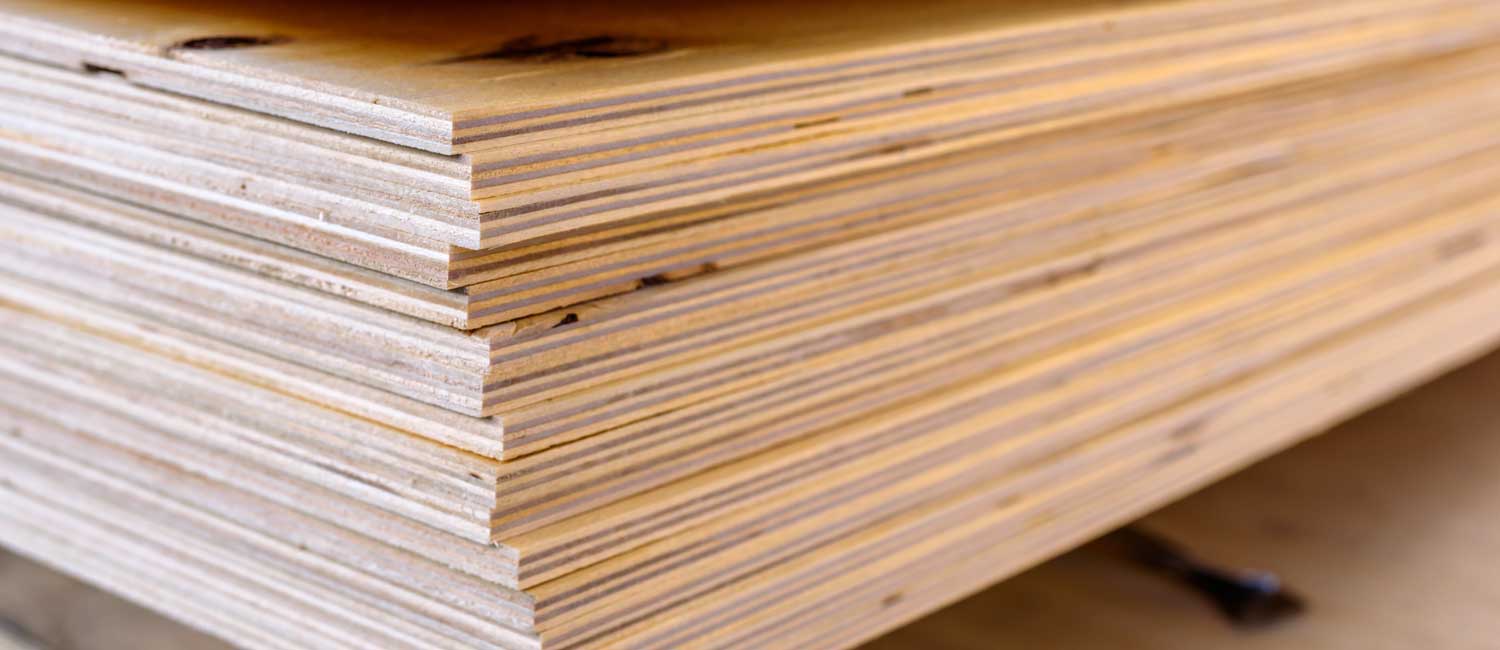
(1247, 598)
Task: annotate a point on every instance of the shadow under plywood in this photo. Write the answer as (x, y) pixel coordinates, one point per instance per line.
(1387, 525)
(45, 610)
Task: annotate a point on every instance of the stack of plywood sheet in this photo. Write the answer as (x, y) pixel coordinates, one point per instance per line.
(669, 325)
(1415, 481)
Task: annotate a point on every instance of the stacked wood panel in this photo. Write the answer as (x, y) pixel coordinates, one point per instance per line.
(687, 325)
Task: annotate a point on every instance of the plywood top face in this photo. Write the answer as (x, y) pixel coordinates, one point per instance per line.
(414, 72)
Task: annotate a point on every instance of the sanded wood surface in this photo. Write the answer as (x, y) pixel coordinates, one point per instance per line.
(450, 66)
(1004, 71)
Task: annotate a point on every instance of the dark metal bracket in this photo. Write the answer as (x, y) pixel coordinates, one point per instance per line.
(1247, 598)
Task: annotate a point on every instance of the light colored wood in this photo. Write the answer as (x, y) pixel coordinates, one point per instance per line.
(1122, 61)
(441, 366)
(379, 468)
(1443, 248)
(322, 51)
(1384, 524)
(728, 349)
(1353, 382)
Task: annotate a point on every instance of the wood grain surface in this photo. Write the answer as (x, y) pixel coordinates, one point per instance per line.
(628, 138)
(660, 326)
(1384, 524)
(1381, 523)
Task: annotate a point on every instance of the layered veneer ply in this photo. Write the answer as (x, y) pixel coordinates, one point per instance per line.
(672, 325)
(590, 132)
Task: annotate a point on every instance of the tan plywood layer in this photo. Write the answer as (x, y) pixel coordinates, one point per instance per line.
(552, 378)
(1259, 411)
(396, 211)
(670, 325)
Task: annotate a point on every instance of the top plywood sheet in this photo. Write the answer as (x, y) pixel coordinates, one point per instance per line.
(578, 119)
(442, 76)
